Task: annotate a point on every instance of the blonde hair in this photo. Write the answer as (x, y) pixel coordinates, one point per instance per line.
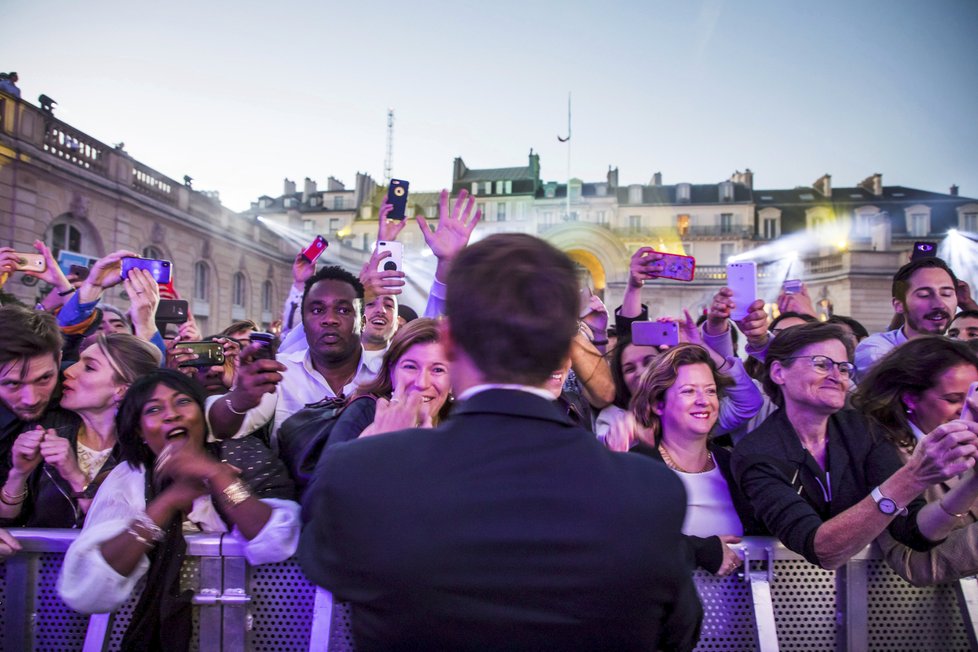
(129, 356)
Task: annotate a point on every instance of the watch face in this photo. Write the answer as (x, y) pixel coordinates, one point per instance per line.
(887, 506)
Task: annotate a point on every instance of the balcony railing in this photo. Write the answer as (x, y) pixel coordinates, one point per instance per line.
(74, 146)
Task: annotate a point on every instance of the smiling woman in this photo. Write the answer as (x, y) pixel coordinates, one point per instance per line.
(819, 479)
(173, 482)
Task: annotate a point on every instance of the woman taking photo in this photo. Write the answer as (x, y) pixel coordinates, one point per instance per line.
(820, 481)
(916, 388)
(171, 482)
(675, 407)
(55, 472)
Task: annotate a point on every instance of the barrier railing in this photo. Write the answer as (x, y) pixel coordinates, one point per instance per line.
(778, 602)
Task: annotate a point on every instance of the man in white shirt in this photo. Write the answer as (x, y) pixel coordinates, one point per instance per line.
(331, 365)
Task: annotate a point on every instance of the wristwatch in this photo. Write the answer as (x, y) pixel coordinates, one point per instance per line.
(886, 505)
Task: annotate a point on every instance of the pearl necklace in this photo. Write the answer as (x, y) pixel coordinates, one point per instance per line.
(671, 463)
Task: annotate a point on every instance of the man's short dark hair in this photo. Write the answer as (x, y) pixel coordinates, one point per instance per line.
(857, 328)
(973, 314)
(27, 334)
(512, 303)
(901, 280)
(332, 273)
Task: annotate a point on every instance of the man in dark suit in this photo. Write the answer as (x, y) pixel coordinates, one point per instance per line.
(506, 528)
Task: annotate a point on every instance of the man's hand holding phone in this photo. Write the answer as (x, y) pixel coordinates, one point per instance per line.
(256, 377)
(106, 273)
(645, 264)
(378, 281)
(388, 228)
(795, 298)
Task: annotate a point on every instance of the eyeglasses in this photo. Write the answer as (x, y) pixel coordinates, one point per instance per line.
(823, 364)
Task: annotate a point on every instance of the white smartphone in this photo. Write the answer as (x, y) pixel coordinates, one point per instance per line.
(742, 279)
(966, 413)
(655, 333)
(396, 260)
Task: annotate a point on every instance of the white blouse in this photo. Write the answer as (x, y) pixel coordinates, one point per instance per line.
(709, 508)
(88, 584)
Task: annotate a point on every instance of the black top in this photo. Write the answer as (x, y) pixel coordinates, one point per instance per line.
(11, 427)
(707, 552)
(791, 495)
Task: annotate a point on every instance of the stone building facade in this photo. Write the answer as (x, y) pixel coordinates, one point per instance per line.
(62, 186)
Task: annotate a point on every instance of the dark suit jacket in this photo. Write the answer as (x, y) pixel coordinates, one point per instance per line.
(506, 528)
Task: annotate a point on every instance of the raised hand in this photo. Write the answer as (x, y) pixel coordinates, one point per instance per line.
(731, 560)
(388, 229)
(255, 378)
(945, 452)
(717, 320)
(799, 302)
(26, 451)
(454, 226)
(645, 264)
(302, 271)
(754, 325)
(58, 452)
(377, 282)
(106, 273)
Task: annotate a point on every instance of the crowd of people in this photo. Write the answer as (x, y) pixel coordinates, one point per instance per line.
(510, 470)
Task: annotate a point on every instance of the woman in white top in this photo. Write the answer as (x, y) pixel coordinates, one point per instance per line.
(55, 472)
(171, 482)
(673, 410)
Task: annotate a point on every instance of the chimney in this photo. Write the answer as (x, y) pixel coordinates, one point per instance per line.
(612, 178)
(332, 183)
(458, 169)
(308, 189)
(745, 178)
(824, 185)
(873, 184)
(288, 188)
(882, 233)
(954, 190)
(657, 179)
(535, 165)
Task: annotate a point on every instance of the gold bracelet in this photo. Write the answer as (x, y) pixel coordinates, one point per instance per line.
(940, 503)
(236, 493)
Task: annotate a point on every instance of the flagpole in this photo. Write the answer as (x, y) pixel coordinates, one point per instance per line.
(568, 153)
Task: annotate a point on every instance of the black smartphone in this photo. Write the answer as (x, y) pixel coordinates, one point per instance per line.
(923, 250)
(209, 354)
(397, 195)
(160, 269)
(80, 271)
(269, 345)
(172, 311)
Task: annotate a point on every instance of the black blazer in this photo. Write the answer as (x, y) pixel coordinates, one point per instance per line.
(505, 528)
(791, 496)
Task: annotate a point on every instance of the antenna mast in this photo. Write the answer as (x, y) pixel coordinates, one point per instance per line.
(389, 160)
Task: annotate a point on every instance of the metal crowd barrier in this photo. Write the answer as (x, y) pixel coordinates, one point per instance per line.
(778, 602)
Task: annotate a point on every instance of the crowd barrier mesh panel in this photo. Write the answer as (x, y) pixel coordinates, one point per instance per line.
(123, 616)
(728, 615)
(281, 608)
(3, 601)
(56, 627)
(804, 599)
(341, 629)
(901, 616)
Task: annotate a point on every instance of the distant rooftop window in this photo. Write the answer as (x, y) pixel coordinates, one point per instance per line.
(807, 196)
(767, 198)
(899, 194)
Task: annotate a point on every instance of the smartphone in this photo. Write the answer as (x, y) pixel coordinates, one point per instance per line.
(397, 195)
(966, 413)
(923, 250)
(68, 259)
(395, 261)
(742, 279)
(209, 354)
(676, 267)
(655, 333)
(160, 269)
(315, 249)
(80, 271)
(792, 286)
(31, 263)
(172, 311)
(269, 345)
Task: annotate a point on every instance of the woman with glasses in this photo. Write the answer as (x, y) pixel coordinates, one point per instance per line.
(821, 481)
(918, 387)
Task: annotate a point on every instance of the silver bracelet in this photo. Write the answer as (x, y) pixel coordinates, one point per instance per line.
(153, 531)
(227, 402)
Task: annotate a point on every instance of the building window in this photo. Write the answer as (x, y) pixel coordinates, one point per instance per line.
(266, 296)
(201, 281)
(475, 187)
(548, 217)
(682, 192)
(726, 222)
(487, 188)
(431, 212)
(238, 292)
(635, 222)
(726, 191)
(500, 212)
(334, 224)
(508, 188)
(682, 224)
(918, 224)
(601, 217)
(65, 237)
(770, 228)
(481, 207)
(726, 251)
(339, 203)
(153, 252)
(970, 222)
(499, 187)
(308, 225)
